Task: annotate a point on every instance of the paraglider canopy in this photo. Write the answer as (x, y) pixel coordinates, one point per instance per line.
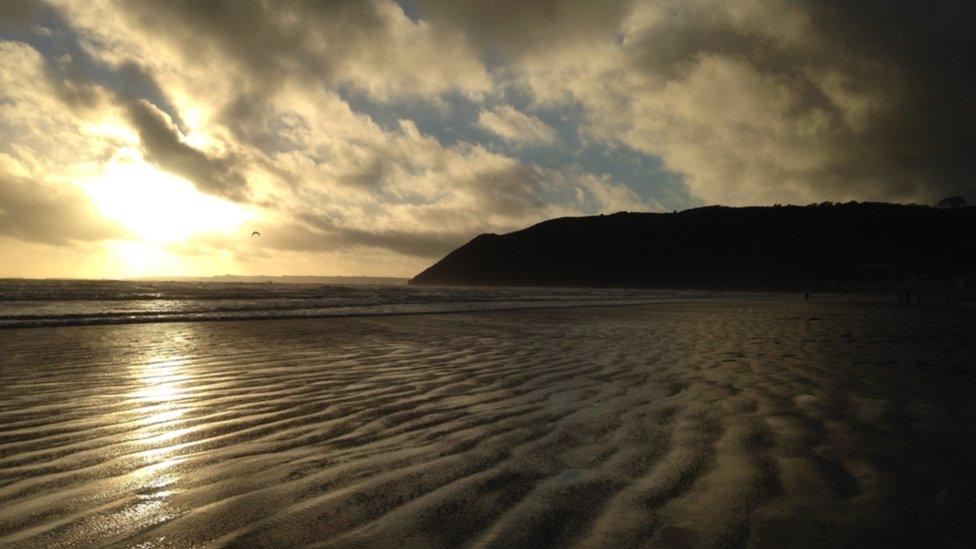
(255, 233)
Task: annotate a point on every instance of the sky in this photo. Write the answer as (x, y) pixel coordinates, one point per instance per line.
(147, 138)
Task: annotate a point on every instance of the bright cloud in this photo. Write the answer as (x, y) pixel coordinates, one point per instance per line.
(511, 125)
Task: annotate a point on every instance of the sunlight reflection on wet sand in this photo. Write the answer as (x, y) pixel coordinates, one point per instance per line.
(163, 388)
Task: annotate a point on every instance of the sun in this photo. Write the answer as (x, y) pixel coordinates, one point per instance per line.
(158, 207)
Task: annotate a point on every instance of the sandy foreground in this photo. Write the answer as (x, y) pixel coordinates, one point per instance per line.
(766, 422)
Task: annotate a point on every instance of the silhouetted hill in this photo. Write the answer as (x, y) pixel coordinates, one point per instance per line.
(788, 247)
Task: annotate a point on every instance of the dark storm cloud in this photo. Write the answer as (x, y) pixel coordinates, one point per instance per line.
(369, 169)
(370, 45)
(72, 83)
(20, 12)
(927, 137)
(273, 40)
(254, 122)
(38, 213)
(510, 27)
(161, 145)
(130, 79)
(910, 60)
(913, 59)
(512, 191)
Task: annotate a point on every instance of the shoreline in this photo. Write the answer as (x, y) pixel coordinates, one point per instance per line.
(257, 315)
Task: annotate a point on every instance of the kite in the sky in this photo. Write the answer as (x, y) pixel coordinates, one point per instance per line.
(255, 233)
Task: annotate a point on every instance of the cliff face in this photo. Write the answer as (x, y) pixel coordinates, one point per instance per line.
(790, 247)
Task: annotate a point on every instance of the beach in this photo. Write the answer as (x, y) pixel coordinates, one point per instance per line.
(759, 422)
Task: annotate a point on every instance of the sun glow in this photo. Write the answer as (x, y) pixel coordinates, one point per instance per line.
(158, 207)
(143, 259)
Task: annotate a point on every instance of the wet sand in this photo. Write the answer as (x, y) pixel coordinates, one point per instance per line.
(764, 423)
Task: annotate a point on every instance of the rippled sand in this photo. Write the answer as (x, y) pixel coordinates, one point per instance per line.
(726, 423)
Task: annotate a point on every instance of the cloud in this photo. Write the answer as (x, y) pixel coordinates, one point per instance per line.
(370, 45)
(608, 197)
(162, 145)
(37, 132)
(516, 127)
(39, 138)
(755, 101)
(427, 244)
(316, 115)
(49, 214)
(323, 235)
(304, 133)
(514, 28)
(20, 12)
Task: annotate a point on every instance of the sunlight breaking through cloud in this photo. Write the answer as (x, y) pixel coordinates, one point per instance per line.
(359, 133)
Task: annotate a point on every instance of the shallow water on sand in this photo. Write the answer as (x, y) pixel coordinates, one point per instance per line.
(766, 422)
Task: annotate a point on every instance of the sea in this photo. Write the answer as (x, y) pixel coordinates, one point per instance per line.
(40, 303)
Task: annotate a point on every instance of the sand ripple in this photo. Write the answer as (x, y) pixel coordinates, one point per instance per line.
(720, 424)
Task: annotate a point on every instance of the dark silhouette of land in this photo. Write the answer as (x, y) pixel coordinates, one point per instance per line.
(803, 248)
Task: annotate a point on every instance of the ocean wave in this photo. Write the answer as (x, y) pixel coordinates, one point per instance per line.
(299, 312)
(29, 304)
